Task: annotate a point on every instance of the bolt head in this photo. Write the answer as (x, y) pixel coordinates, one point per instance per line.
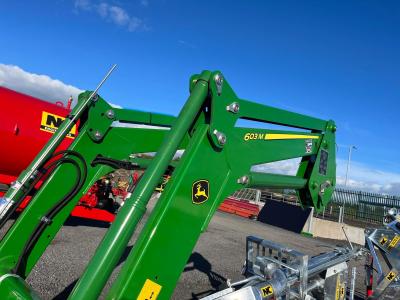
(243, 180)
(233, 107)
(110, 114)
(97, 134)
(218, 79)
(95, 97)
(222, 139)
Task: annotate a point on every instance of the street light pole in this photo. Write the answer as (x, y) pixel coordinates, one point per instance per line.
(351, 147)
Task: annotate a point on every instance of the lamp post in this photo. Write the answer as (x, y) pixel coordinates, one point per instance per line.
(351, 147)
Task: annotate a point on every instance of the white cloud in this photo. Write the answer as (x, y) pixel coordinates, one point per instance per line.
(285, 167)
(40, 86)
(115, 105)
(361, 176)
(113, 14)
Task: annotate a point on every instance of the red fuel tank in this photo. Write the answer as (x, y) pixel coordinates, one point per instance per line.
(26, 124)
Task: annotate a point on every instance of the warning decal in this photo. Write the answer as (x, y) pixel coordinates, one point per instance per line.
(394, 242)
(267, 291)
(391, 275)
(150, 290)
(50, 123)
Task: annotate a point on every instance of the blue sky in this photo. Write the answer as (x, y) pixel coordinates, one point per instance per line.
(331, 59)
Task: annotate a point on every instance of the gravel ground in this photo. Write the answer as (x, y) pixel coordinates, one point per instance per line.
(218, 255)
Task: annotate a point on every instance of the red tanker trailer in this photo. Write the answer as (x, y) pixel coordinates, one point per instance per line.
(26, 124)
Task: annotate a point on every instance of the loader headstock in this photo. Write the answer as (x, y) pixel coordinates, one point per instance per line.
(314, 144)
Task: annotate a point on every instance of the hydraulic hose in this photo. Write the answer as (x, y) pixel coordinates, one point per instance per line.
(47, 218)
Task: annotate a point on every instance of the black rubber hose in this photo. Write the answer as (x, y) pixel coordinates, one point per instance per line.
(46, 220)
(42, 172)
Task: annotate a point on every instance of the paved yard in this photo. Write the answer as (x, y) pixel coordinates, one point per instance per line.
(218, 255)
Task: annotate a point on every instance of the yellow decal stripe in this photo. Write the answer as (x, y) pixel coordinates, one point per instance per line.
(394, 242)
(279, 136)
(150, 290)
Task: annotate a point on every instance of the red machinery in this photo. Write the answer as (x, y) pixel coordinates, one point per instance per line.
(26, 125)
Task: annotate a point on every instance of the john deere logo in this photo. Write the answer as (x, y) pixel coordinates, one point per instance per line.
(200, 191)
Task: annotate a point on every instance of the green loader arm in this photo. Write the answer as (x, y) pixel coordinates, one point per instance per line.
(218, 159)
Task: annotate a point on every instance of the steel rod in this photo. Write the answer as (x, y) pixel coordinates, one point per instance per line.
(257, 179)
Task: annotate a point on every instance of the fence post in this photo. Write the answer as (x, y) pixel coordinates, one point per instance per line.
(341, 213)
(311, 220)
(258, 196)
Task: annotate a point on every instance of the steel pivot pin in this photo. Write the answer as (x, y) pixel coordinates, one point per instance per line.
(110, 114)
(243, 180)
(219, 80)
(221, 138)
(233, 107)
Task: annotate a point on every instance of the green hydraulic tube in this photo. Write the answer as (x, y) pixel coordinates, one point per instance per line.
(117, 237)
(273, 181)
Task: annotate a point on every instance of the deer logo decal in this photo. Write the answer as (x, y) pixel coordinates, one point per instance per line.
(200, 191)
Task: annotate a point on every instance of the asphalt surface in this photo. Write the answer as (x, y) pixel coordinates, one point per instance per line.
(218, 255)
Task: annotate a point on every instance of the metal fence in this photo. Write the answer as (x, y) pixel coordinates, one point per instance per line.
(247, 194)
(348, 206)
(356, 207)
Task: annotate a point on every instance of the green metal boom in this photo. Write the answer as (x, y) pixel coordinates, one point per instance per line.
(217, 160)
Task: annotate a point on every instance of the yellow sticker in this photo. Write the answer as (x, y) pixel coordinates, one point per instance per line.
(50, 123)
(276, 136)
(267, 291)
(337, 293)
(391, 275)
(279, 136)
(394, 242)
(150, 290)
(342, 292)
